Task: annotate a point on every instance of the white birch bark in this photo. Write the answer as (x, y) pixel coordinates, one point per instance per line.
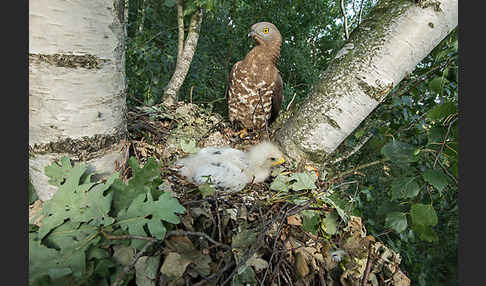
(184, 63)
(394, 38)
(76, 84)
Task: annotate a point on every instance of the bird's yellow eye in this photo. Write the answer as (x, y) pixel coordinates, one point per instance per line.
(266, 30)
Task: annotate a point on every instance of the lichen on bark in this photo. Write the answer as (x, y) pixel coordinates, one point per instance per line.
(83, 149)
(363, 72)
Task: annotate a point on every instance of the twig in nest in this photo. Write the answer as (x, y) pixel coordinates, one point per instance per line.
(286, 274)
(275, 242)
(218, 217)
(190, 94)
(322, 280)
(127, 236)
(121, 167)
(254, 248)
(368, 267)
(291, 101)
(447, 172)
(137, 100)
(352, 171)
(135, 151)
(444, 142)
(202, 234)
(216, 275)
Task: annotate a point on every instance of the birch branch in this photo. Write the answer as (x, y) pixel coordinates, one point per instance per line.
(182, 66)
(180, 25)
(345, 20)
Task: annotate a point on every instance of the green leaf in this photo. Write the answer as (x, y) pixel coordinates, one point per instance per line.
(77, 200)
(135, 218)
(338, 204)
(310, 221)
(442, 110)
(189, 146)
(423, 215)
(41, 259)
(32, 194)
(243, 239)
(358, 134)
(190, 10)
(406, 187)
(304, 181)
(399, 151)
(436, 178)
(396, 221)
(58, 173)
(170, 3)
(436, 134)
(330, 223)
(206, 189)
(73, 241)
(455, 169)
(103, 267)
(246, 276)
(426, 233)
(280, 183)
(141, 182)
(56, 273)
(146, 269)
(437, 84)
(69, 243)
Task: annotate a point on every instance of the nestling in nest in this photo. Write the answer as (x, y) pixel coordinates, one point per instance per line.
(231, 169)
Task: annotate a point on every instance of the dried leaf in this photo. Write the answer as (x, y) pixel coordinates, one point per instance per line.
(174, 265)
(294, 220)
(146, 269)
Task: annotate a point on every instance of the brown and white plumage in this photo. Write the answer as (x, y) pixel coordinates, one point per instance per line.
(230, 169)
(255, 89)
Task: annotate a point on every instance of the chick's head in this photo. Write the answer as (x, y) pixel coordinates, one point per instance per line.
(265, 155)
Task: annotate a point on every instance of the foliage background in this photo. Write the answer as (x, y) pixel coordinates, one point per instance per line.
(421, 114)
(311, 37)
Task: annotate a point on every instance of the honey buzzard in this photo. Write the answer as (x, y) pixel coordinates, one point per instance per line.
(254, 90)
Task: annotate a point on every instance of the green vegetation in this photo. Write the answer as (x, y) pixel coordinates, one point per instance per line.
(310, 41)
(406, 191)
(410, 201)
(71, 245)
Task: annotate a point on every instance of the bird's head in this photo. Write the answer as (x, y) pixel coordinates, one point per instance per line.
(265, 155)
(265, 33)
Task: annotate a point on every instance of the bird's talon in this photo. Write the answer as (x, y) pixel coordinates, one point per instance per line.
(243, 133)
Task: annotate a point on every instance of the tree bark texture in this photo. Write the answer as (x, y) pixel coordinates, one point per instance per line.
(77, 87)
(182, 66)
(180, 24)
(394, 38)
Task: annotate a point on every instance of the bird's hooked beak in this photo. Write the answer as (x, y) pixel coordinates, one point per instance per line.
(278, 162)
(252, 33)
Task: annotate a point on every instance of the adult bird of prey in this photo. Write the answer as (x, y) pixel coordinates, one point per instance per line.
(254, 90)
(230, 169)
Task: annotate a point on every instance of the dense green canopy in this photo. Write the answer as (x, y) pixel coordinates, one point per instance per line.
(416, 126)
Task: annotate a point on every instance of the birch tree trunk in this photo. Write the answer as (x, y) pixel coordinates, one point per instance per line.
(77, 85)
(394, 38)
(183, 63)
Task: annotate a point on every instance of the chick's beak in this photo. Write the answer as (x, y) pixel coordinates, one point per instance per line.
(278, 162)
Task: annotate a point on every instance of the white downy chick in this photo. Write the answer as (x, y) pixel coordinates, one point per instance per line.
(231, 169)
